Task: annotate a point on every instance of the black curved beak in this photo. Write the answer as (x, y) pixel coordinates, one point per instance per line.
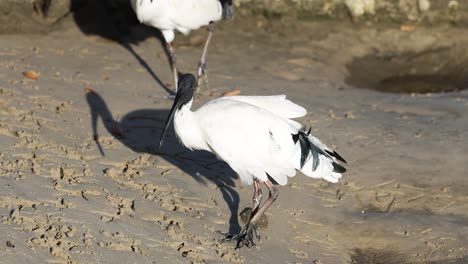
(175, 106)
(187, 85)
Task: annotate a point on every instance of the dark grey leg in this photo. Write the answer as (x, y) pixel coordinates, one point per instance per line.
(172, 55)
(202, 64)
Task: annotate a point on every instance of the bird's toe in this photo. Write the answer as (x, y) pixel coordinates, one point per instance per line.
(246, 236)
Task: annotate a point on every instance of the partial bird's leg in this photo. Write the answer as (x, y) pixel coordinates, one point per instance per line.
(273, 195)
(172, 55)
(202, 64)
(257, 198)
(249, 232)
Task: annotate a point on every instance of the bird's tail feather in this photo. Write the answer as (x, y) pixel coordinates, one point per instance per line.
(317, 160)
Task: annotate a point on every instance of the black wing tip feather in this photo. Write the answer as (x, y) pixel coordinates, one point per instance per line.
(337, 156)
(338, 168)
(308, 148)
(295, 137)
(305, 149)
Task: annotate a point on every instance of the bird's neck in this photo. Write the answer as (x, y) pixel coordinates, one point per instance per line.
(187, 128)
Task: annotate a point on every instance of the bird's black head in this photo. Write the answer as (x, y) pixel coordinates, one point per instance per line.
(228, 10)
(186, 87)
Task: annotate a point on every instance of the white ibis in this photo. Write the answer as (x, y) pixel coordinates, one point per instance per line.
(183, 16)
(257, 138)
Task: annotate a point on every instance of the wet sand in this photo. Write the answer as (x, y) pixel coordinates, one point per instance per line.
(66, 199)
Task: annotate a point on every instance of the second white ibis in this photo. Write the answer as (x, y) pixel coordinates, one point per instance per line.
(183, 16)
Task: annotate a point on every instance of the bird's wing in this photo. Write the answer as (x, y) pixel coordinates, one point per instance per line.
(277, 104)
(251, 139)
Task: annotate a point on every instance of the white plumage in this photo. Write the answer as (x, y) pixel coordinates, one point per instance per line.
(180, 15)
(256, 137)
(183, 16)
(253, 134)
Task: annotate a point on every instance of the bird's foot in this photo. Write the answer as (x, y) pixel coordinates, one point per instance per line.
(246, 236)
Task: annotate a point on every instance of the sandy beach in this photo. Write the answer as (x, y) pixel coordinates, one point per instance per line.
(67, 198)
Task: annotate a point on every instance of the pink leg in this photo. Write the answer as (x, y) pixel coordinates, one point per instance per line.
(271, 198)
(257, 197)
(249, 231)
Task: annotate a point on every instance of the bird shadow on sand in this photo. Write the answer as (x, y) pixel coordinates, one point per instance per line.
(140, 131)
(115, 20)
